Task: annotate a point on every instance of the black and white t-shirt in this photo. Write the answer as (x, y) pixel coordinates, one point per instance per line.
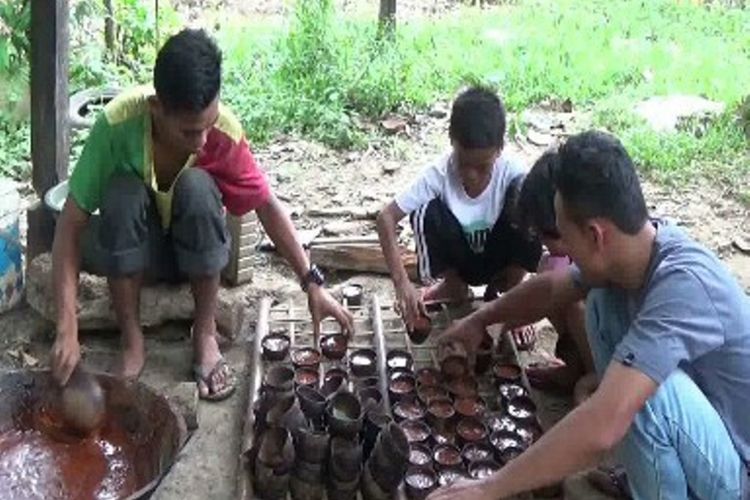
(477, 216)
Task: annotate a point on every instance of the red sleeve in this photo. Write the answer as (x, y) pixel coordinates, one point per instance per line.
(243, 185)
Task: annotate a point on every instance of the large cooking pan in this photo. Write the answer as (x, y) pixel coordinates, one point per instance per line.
(153, 428)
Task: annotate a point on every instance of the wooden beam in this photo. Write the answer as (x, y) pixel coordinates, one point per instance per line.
(49, 112)
(359, 258)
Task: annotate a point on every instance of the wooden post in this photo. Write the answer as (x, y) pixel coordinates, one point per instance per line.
(387, 16)
(109, 26)
(49, 113)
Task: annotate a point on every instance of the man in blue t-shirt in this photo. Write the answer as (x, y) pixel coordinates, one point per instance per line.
(669, 330)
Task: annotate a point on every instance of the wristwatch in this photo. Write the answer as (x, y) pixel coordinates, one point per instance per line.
(314, 275)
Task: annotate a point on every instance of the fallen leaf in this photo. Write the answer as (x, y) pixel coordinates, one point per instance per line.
(29, 360)
(393, 125)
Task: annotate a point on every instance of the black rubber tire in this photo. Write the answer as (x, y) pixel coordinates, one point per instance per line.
(78, 116)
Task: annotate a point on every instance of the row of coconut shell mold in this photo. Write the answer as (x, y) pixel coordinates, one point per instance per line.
(454, 431)
(321, 415)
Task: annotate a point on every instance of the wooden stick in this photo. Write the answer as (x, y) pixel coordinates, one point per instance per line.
(244, 485)
(344, 240)
(379, 337)
(353, 212)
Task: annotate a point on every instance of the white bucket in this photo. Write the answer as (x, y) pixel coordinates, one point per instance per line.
(55, 197)
(11, 252)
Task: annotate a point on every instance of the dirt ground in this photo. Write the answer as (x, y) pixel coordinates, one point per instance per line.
(308, 176)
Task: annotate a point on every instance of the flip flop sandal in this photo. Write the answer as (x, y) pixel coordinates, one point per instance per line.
(612, 481)
(230, 383)
(524, 337)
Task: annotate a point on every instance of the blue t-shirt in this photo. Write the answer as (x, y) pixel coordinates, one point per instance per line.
(690, 313)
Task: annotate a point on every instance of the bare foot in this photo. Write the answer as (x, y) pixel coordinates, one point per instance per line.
(132, 359)
(449, 289)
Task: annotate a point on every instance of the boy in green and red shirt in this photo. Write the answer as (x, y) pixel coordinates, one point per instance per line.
(161, 166)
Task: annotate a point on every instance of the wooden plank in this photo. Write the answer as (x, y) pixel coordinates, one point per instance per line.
(328, 240)
(361, 258)
(49, 112)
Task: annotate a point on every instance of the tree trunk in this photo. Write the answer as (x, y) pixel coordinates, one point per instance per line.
(109, 26)
(387, 16)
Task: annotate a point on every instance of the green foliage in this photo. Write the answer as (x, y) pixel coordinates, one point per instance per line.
(135, 26)
(328, 76)
(91, 64)
(681, 155)
(326, 71)
(131, 53)
(15, 145)
(15, 16)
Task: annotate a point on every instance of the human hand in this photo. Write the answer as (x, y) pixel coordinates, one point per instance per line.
(322, 305)
(409, 303)
(468, 331)
(65, 353)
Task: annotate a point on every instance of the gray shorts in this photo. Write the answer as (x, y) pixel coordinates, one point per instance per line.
(127, 237)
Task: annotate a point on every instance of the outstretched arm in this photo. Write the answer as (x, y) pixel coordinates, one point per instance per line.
(66, 258)
(279, 227)
(409, 301)
(528, 302)
(575, 443)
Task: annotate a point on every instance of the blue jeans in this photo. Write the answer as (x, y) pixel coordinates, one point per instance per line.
(677, 446)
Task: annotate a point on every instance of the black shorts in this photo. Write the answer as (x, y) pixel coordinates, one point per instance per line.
(442, 246)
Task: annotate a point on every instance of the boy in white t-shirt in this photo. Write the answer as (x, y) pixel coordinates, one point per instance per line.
(460, 209)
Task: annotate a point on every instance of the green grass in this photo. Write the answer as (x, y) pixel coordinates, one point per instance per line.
(328, 77)
(320, 74)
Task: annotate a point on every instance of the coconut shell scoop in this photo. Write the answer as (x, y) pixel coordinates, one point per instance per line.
(82, 402)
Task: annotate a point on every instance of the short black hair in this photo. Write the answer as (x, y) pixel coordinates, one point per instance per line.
(478, 119)
(536, 203)
(187, 73)
(596, 178)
